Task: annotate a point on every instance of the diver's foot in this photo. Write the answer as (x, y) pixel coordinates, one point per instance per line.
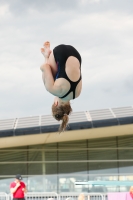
(46, 50)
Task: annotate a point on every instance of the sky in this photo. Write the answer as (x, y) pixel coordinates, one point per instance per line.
(101, 30)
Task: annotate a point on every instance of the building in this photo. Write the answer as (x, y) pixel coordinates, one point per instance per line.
(98, 145)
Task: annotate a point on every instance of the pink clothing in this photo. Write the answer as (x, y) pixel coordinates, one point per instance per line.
(129, 196)
(19, 192)
(117, 196)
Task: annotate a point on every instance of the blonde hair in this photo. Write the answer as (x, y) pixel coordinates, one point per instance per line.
(81, 196)
(61, 112)
(131, 189)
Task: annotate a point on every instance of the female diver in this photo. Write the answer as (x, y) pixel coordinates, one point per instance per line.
(61, 73)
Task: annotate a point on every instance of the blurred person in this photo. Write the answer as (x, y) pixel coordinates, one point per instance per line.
(18, 188)
(81, 197)
(131, 192)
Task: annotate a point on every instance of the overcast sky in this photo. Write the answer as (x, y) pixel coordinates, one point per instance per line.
(101, 30)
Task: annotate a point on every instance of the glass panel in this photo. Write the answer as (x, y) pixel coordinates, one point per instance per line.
(42, 184)
(34, 155)
(12, 169)
(125, 178)
(36, 184)
(72, 155)
(125, 154)
(102, 142)
(128, 178)
(103, 168)
(72, 168)
(104, 188)
(102, 154)
(126, 167)
(50, 168)
(5, 184)
(125, 141)
(49, 155)
(73, 144)
(124, 188)
(34, 168)
(12, 156)
(67, 183)
(51, 183)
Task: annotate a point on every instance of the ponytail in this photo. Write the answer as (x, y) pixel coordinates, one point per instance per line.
(63, 125)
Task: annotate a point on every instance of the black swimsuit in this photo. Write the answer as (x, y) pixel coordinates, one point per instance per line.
(61, 54)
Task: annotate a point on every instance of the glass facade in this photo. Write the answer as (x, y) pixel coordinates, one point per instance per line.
(55, 167)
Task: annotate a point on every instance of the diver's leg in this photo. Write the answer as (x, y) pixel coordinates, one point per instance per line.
(49, 58)
(46, 51)
(47, 74)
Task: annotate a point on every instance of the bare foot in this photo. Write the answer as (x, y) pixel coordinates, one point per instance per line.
(46, 50)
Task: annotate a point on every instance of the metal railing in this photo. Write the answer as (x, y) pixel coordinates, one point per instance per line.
(105, 196)
(3, 196)
(74, 196)
(41, 196)
(55, 196)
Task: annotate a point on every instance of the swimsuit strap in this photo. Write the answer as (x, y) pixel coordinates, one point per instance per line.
(72, 88)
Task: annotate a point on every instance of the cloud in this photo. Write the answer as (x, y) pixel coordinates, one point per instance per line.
(100, 30)
(128, 83)
(97, 23)
(22, 7)
(85, 2)
(4, 9)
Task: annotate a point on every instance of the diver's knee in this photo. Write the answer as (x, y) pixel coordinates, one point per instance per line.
(42, 67)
